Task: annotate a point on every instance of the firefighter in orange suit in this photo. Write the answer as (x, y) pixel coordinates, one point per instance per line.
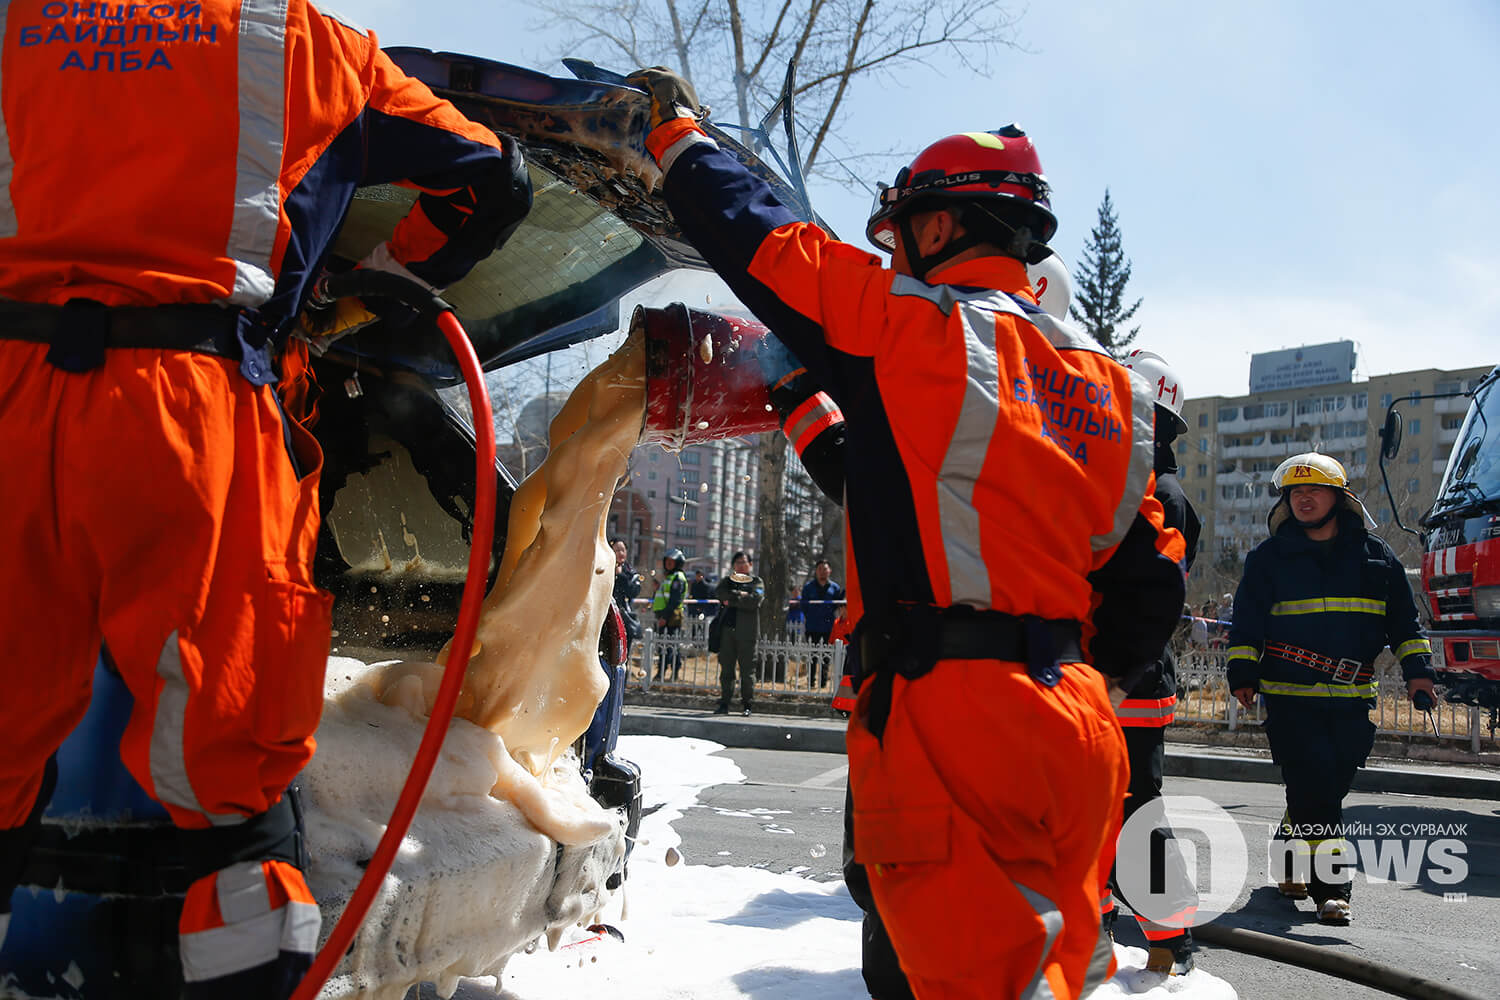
(159, 501)
(1001, 529)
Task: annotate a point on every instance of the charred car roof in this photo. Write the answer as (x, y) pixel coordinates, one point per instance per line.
(598, 227)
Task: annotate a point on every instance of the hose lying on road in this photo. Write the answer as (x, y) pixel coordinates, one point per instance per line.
(1334, 963)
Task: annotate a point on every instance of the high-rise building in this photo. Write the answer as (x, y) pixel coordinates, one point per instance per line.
(1233, 444)
(702, 501)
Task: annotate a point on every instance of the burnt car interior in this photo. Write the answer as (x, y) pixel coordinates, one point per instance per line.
(398, 477)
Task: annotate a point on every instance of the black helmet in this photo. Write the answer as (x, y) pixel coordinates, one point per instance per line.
(676, 556)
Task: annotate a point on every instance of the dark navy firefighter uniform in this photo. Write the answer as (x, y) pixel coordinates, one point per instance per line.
(1309, 619)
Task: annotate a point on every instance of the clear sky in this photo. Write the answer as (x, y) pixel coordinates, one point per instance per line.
(1284, 173)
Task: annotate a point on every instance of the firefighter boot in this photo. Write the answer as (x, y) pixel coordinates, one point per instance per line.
(1334, 911)
(1172, 956)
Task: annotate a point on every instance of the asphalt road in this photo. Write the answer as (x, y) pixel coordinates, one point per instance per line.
(788, 817)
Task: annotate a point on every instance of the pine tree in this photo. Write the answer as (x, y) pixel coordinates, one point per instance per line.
(1100, 282)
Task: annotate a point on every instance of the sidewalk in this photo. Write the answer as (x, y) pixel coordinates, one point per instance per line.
(826, 735)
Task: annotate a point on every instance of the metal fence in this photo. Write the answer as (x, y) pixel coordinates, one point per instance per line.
(1203, 697)
(787, 664)
(794, 665)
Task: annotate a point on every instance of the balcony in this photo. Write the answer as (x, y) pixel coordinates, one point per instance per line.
(1447, 435)
(1457, 404)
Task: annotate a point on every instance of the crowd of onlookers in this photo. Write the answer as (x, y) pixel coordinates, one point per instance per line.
(1207, 626)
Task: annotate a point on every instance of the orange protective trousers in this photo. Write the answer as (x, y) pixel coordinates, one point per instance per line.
(983, 818)
(153, 505)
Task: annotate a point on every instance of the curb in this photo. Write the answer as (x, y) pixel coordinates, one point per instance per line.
(771, 732)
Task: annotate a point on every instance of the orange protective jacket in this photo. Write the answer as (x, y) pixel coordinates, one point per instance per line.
(193, 152)
(995, 457)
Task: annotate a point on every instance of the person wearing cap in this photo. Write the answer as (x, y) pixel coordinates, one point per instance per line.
(1317, 603)
(1006, 554)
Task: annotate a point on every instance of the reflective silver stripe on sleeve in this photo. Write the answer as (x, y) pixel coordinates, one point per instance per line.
(968, 577)
(1052, 923)
(262, 110)
(299, 931)
(822, 407)
(8, 225)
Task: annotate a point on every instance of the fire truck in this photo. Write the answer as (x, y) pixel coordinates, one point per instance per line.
(1460, 536)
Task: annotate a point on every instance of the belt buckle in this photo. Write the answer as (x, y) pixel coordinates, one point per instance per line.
(1353, 668)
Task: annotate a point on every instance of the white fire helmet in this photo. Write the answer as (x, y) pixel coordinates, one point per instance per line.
(1164, 382)
(1054, 289)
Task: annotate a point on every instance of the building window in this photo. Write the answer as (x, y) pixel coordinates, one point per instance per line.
(688, 551)
(1203, 445)
(1228, 413)
(1414, 484)
(1360, 456)
(690, 477)
(650, 494)
(691, 458)
(1385, 401)
(1202, 469)
(1447, 387)
(687, 531)
(1203, 419)
(690, 513)
(1451, 421)
(1203, 496)
(1414, 457)
(1361, 400)
(1306, 406)
(651, 474)
(1415, 427)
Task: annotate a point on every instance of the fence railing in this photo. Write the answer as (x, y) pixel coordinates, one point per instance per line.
(792, 664)
(1203, 697)
(788, 664)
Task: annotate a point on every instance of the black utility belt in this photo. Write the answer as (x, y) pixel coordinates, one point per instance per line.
(917, 637)
(82, 330)
(1343, 671)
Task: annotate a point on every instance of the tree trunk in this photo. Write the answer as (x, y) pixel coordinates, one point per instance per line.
(772, 554)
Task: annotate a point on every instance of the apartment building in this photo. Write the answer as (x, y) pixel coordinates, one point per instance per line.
(1311, 401)
(702, 501)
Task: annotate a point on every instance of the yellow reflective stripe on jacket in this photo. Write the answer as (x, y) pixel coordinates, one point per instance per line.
(1411, 646)
(1318, 605)
(1318, 690)
(1244, 653)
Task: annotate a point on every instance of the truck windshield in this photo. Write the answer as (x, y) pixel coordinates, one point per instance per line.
(1473, 474)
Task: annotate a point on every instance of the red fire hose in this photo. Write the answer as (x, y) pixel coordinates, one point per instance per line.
(463, 636)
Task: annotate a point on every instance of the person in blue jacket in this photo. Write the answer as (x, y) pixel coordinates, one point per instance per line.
(819, 600)
(1318, 602)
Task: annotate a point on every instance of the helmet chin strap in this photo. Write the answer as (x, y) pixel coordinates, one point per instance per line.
(921, 265)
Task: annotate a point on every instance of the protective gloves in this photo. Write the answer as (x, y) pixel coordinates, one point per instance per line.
(671, 95)
(322, 323)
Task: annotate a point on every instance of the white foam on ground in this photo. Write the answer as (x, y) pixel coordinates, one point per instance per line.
(699, 932)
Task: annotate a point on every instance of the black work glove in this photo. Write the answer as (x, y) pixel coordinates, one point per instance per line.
(671, 95)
